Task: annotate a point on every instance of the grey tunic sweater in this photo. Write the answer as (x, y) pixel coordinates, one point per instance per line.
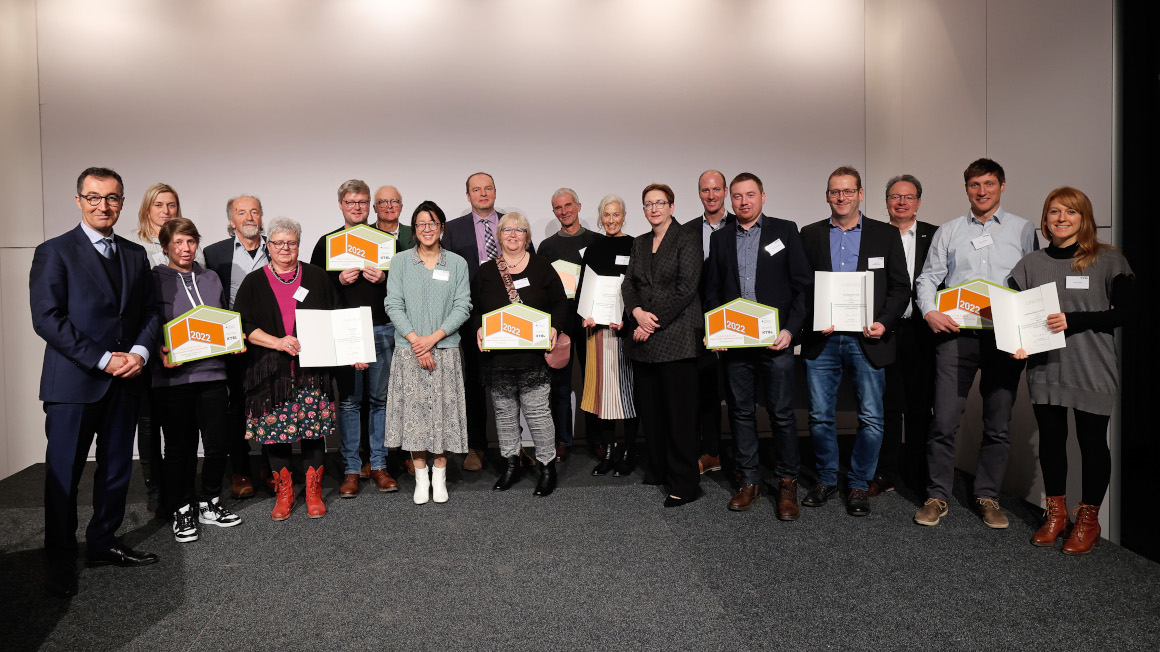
(1085, 374)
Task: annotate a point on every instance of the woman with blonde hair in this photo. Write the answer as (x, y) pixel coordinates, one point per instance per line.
(1094, 283)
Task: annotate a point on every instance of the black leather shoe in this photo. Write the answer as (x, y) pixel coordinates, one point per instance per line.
(858, 503)
(547, 483)
(820, 494)
(62, 580)
(511, 474)
(121, 555)
(606, 463)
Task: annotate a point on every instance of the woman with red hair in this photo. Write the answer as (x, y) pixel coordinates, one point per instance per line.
(1094, 283)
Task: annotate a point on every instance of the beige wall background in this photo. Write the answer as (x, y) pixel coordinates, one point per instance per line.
(287, 99)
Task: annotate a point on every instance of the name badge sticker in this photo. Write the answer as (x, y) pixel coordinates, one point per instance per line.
(521, 283)
(1077, 282)
(982, 241)
(441, 274)
(774, 247)
(300, 294)
(622, 260)
(878, 262)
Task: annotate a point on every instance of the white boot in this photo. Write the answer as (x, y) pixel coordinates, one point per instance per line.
(422, 485)
(439, 484)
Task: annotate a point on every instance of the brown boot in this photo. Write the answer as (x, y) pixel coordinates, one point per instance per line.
(1085, 534)
(787, 499)
(315, 508)
(1055, 522)
(284, 495)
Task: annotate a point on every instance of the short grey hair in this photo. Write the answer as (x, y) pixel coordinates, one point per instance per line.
(566, 191)
(518, 220)
(609, 199)
(230, 211)
(284, 224)
(909, 178)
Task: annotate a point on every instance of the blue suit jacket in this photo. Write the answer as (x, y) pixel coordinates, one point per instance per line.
(74, 309)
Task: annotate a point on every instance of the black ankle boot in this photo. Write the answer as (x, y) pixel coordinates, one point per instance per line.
(606, 463)
(511, 473)
(624, 462)
(547, 483)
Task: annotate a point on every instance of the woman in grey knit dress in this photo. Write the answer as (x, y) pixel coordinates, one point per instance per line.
(1095, 284)
(428, 299)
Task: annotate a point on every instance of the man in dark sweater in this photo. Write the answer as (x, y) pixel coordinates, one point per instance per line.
(568, 245)
(358, 288)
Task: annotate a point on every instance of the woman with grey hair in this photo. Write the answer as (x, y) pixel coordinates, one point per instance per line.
(286, 403)
(607, 370)
(519, 380)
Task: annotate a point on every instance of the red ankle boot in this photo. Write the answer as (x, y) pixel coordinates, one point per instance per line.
(1085, 534)
(315, 508)
(1055, 522)
(284, 495)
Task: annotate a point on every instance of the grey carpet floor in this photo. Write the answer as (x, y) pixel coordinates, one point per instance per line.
(600, 565)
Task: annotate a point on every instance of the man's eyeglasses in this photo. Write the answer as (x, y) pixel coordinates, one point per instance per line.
(111, 200)
(283, 244)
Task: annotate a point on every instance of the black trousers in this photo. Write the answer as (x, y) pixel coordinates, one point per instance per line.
(185, 411)
(666, 402)
(908, 401)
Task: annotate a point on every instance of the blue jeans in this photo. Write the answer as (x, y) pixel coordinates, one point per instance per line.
(823, 375)
(350, 407)
(743, 367)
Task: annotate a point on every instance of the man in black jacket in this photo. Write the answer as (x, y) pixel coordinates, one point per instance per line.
(760, 258)
(848, 242)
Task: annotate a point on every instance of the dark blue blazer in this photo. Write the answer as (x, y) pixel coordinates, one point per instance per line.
(74, 309)
(782, 279)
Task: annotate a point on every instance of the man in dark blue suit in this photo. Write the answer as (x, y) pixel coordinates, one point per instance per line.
(761, 258)
(92, 302)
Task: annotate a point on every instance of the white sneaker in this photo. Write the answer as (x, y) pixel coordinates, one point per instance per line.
(422, 485)
(184, 525)
(439, 484)
(214, 513)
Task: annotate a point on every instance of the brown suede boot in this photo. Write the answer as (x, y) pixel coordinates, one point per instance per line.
(315, 508)
(1055, 522)
(284, 495)
(1085, 534)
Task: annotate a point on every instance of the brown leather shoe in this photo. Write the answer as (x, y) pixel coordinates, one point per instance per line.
(364, 472)
(349, 488)
(993, 517)
(1085, 534)
(748, 494)
(1056, 522)
(787, 499)
(473, 461)
(561, 452)
(708, 463)
(384, 481)
(241, 486)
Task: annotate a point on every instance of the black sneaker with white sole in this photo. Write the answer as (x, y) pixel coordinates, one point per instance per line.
(214, 513)
(184, 525)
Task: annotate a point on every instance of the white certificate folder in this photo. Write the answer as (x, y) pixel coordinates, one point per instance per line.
(333, 338)
(1021, 320)
(844, 300)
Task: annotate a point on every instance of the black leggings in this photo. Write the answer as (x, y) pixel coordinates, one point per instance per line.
(1095, 460)
(312, 453)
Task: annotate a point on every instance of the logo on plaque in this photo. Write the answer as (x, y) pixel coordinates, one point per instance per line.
(359, 246)
(969, 304)
(516, 326)
(741, 323)
(203, 332)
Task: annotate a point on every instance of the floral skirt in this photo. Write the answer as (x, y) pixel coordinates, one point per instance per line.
(309, 415)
